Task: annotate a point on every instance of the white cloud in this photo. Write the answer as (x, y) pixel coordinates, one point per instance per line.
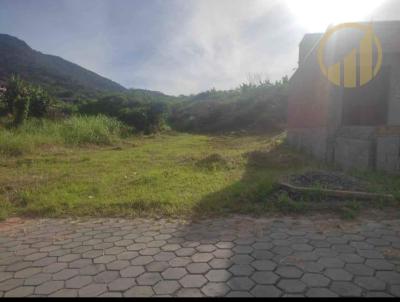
(212, 47)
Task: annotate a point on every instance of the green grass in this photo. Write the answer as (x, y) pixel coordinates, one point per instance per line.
(75, 131)
(168, 174)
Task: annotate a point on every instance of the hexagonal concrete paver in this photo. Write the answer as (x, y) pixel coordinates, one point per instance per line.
(195, 281)
(217, 257)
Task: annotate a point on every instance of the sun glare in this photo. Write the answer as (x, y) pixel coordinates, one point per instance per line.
(317, 15)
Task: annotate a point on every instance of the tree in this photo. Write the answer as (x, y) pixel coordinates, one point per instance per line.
(40, 102)
(21, 108)
(14, 89)
(23, 100)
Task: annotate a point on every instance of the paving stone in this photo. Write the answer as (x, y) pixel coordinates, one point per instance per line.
(239, 294)
(359, 269)
(370, 283)
(223, 254)
(345, 289)
(180, 262)
(10, 284)
(5, 276)
(242, 259)
(78, 282)
(139, 291)
(202, 257)
(174, 273)
(241, 270)
(380, 264)
(189, 293)
(206, 248)
(92, 269)
(395, 290)
(282, 250)
(338, 274)
(19, 266)
(184, 252)
(166, 287)
(331, 262)
(266, 291)
(106, 277)
(243, 249)
(111, 295)
(156, 243)
(92, 290)
(351, 258)
(65, 293)
(302, 247)
(121, 284)
(54, 267)
(218, 275)
(390, 277)
(164, 256)
(35, 256)
(151, 251)
(136, 247)
(68, 258)
(220, 263)
(370, 254)
(241, 284)
(142, 260)
(104, 259)
(215, 289)
(127, 255)
(27, 272)
(92, 254)
(291, 286)
(49, 287)
(262, 246)
(315, 280)
(37, 279)
(65, 274)
(377, 295)
(225, 245)
(320, 293)
(258, 255)
(263, 265)
(198, 268)
(117, 265)
(289, 272)
(195, 281)
(80, 263)
(157, 266)
(149, 279)
(20, 292)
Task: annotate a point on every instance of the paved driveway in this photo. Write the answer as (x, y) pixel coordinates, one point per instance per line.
(236, 256)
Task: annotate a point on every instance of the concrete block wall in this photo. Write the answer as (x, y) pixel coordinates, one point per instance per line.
(388, 153)
(354, 148)
(312, 141)
(353, 153)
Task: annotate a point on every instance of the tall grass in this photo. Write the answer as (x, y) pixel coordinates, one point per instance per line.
(75, 131)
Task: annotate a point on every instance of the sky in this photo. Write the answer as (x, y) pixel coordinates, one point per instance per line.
(181, 46)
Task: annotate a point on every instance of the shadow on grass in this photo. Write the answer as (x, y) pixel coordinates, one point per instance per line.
(257, 190)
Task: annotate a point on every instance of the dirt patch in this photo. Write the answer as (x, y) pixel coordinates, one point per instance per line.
(213, 161)
(328, 180)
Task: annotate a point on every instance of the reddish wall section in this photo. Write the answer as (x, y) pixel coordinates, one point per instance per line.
(308, 97)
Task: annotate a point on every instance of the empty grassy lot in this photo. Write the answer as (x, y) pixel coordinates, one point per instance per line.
(169, 174)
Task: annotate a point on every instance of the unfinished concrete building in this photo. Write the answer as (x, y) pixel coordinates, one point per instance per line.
(351, 127)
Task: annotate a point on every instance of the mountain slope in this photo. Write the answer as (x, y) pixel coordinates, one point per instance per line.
(63, 78)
